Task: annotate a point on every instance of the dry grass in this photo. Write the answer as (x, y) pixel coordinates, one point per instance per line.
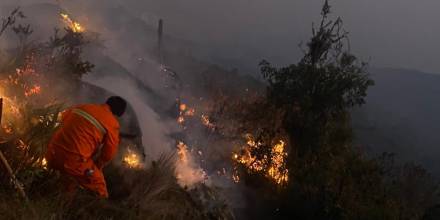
(151, 193)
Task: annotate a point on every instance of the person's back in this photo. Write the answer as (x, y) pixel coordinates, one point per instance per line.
(81, 137)
(86, 131)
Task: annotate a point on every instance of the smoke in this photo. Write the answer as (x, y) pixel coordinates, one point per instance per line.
(128, 69)
(155, 132)
(125, 66)
(188, 172)
(232, 33)
(239, 33)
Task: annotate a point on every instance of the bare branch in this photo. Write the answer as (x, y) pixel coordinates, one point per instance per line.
(10, 20)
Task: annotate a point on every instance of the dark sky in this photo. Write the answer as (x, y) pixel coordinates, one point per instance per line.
(388, 33)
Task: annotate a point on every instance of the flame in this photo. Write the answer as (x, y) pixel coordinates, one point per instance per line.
(36, 89)
(180, 119)
(8, 129)
(15, 91)
(185, 111)
(24, 79)
(279, 156)
(182, 107)
(42, 163)
(132, 159)
(206, 122)
(182, 151)
(73, 25)
(272, 166)
(235, 178)
(11, 113)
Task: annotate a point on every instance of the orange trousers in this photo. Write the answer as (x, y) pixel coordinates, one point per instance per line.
(74, 172)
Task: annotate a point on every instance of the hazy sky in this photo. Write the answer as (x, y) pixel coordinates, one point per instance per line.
(389, 33)
(395, 33)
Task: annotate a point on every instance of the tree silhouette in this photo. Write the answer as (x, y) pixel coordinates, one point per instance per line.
(322, 87)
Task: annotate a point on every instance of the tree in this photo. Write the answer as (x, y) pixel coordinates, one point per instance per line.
(321, 88)
(329, 178)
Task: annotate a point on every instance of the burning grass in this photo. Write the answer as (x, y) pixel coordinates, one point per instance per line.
(132, 159)
(137, 190)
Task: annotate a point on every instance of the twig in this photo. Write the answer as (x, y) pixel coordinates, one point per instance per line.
(17, 184)
(14, 179)
(8, 168)
(10, 20)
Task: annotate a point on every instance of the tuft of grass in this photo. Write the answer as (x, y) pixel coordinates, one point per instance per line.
(151, 193)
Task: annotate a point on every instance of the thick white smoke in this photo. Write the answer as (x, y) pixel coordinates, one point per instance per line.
(155, 133)
(188, 172)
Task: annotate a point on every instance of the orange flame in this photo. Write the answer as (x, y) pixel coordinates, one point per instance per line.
(207, 122)
(182, 107)
(36, 89)
(180, 119)
(182, 151)
(272, 166)
(132, 159)
(42, 163)
(185, 111)
(73, 25)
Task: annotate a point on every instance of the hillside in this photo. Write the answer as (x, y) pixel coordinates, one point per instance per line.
(402, 116)
(204, 141)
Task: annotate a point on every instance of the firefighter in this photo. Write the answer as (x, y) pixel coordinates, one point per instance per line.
(86, 141)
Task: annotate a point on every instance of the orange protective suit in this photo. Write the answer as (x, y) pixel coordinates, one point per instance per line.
(80, 148)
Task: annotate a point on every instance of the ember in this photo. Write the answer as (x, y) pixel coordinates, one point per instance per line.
(184, 111)
(36, 89)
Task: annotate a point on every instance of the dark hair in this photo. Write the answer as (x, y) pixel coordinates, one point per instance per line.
(117, 105)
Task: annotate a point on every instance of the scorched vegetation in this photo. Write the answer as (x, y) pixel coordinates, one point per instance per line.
(37, 81)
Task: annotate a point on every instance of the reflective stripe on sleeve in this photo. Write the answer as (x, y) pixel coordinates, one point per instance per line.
(91, 119)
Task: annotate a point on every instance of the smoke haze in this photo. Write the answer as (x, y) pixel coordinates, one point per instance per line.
(154, 130)
(239, 33)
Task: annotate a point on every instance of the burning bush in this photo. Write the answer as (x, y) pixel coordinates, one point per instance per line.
(272, 164)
